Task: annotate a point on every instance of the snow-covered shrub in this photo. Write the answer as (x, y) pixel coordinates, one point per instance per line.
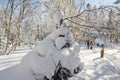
(41, 62)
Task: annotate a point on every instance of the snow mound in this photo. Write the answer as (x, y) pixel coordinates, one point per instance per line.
(53, 42)
(42, 61)
(58, 46)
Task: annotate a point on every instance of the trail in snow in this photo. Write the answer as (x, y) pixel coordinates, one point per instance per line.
(99, 68)
(115, 62)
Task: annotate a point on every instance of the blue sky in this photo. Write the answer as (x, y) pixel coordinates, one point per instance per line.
(4, 1)
(97, 2)
(100, 2)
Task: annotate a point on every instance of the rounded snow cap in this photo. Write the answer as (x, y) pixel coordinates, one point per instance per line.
(44, 47)
(58, 16)
(60, 42)
(61, 31)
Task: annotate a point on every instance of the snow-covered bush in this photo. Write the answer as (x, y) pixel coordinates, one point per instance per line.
(58, 46)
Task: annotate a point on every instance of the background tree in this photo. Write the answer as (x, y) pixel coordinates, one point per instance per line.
(23, 22)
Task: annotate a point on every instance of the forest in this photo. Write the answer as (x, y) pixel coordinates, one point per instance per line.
(23, 22)
(59, 39)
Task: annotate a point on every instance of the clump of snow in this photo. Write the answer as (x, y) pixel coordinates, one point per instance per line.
(60, 42)
(58, 16)
(54, 41)
(43, 59)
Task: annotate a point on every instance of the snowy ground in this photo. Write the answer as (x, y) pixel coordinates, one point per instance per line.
(95, 68)
(7, 61)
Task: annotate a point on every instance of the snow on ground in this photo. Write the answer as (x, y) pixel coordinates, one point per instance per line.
(95, 68)
(7, 61)
(60, 46)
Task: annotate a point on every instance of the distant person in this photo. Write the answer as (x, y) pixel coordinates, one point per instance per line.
(102, 51)
(87, 44)
(91, 44)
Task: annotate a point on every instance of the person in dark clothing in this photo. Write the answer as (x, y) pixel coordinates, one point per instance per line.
(87, 44)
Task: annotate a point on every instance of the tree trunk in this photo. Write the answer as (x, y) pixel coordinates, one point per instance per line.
(9, 22)
(8, 37)
(13, 47)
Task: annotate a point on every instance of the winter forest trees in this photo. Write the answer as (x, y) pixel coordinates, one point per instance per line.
(23, 22)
